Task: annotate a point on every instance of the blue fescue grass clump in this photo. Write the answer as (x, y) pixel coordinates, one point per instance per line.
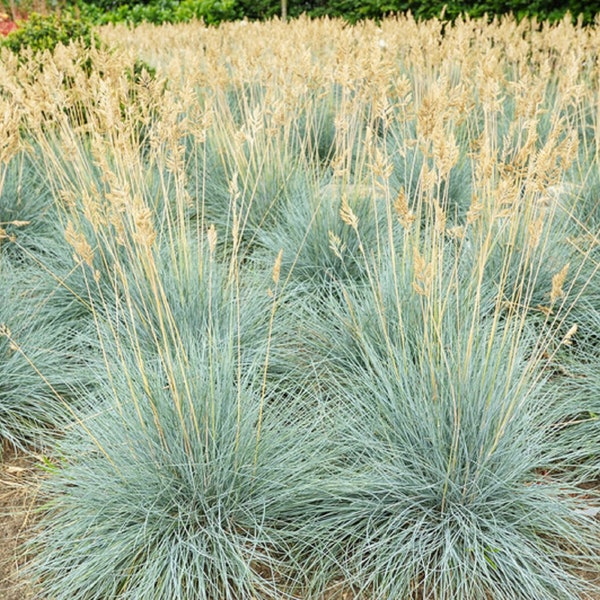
(319, 250)
(184, 475)
(40, 371)
(41, 361)
(28, 215)
(160, 500)
(575, 388)
(445, 435)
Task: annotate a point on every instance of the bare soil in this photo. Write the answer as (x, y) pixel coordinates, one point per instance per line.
(18, 497)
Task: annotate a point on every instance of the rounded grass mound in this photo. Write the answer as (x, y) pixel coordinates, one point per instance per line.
(184, 477)
(147, 503)
(40, 370)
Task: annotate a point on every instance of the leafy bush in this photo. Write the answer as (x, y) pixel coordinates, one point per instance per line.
(45, 32)
(164, 11)
(215, 11)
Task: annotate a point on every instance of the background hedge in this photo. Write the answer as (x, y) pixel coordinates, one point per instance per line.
(215, 11)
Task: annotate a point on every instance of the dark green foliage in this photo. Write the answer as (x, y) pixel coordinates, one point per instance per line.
(215, 11)
(434, 8)
(162, 11)
(40, 33)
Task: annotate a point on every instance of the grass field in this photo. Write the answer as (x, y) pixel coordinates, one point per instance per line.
(306, 310)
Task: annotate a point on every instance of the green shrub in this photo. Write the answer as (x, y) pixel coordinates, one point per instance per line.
(45, 32)
(215, 11)
(164, 11)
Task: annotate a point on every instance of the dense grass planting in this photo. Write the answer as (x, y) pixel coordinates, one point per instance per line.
(306, 310)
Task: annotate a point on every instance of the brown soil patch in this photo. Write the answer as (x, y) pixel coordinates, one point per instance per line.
(18, 493)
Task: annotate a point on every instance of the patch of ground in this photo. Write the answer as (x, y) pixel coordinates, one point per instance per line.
(18, 493)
